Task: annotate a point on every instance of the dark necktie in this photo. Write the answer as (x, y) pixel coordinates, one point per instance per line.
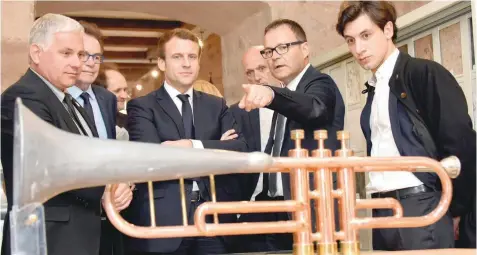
(87, 106)
(72, 104)
(188, 121)
(273, 147)
(187, 116)
(71, 109)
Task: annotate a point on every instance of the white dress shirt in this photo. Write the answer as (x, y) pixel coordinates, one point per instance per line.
(381, 134)
(173, 93)
(265, 116)
(265, 126)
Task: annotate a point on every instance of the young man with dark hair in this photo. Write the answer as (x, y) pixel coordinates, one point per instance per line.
(177, 115)
(415, 107)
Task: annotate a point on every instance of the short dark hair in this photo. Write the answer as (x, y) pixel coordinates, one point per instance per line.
(380, 12)
(101, 80)
(293, 25)
(181, 33)
(93, 30)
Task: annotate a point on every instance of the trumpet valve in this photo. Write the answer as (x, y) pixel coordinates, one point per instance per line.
(452, 166)
(297, 135)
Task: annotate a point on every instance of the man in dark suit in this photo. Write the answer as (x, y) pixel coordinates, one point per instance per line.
(255, 126)
(415, 107)
(310, 101)
(56, 56)
(100, 105)
(177, 115)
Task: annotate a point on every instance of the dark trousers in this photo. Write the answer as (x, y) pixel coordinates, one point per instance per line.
(435, 236)
(467, 227)
(111, 239)
(195, 245)
(264, 242)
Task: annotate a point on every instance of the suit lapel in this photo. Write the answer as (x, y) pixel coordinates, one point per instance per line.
(198, 115)
(166, 103)
(103, 107)
(52, 100)
(254, 121)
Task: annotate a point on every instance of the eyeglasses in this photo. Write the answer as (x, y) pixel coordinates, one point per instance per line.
(280, 49)
(97, 58)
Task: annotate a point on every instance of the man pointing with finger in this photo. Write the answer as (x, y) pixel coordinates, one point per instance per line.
(310, 100)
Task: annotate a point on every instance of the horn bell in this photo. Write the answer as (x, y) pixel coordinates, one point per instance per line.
(49, 161)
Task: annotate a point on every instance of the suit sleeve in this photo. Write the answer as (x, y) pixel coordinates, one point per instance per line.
(141, 126)
(449, 121)
(113, 114)
(227, 122)
(315, 106)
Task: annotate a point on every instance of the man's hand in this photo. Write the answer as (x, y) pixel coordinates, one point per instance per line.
(256, 96)
(184, 143)
(229, 135)
(122, 196)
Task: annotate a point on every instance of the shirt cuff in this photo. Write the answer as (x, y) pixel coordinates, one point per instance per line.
(273, 96)
(197, 144)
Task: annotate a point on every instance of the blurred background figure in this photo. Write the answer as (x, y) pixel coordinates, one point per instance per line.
(110, 78)
(207, 87)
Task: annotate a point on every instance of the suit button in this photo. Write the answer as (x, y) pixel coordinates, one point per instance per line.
(403, 95)
(418, 112)
(397, 76)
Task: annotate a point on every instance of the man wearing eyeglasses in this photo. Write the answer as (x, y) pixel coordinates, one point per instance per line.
(100, 106)
(310, 101)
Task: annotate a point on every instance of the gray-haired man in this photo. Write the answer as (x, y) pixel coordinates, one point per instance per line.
(56, 55)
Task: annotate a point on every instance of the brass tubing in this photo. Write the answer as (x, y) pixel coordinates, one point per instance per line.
(141, 231)
(208, 208)
(299, 180)
(183, 202)
(152, 208)
(381, 203)
(324, 194)
(421, 221)
(214, 196)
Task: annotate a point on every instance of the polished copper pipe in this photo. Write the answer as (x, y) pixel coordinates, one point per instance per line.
(299, 166)
(325, 200)
(346, 181)
(299, 179)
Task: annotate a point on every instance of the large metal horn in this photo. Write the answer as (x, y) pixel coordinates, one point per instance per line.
(45, 165)
(48, 161)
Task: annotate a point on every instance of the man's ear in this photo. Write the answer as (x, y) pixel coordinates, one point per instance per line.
(35, 52)
(305, 49)
(161, 64)
(389, 30)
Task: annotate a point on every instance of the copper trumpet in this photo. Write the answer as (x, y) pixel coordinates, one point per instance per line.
(299, 165)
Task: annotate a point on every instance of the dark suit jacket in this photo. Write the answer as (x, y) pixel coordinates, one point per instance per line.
(72, 218)
(429, 117)
(155, 118)
(316, 104)
(108, 105)
(249, 123)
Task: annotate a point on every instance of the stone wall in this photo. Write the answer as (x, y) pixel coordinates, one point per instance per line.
(17, 19)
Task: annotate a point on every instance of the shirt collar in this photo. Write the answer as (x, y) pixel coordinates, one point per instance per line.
(58, 93)
(294, 83)
(76, 92)
(173, 92)
(385, 71)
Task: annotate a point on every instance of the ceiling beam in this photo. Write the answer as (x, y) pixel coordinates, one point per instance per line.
(124, 54)
(133, 24)
(129, 66)
(130, 41)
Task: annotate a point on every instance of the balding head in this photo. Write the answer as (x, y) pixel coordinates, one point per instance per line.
(256, 67)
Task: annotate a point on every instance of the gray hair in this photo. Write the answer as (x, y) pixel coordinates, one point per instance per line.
(45, 27)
